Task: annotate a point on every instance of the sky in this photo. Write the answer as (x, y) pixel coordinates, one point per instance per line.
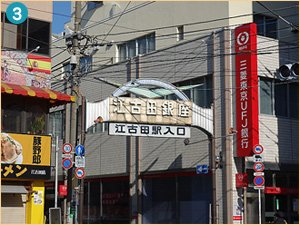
(61, 15)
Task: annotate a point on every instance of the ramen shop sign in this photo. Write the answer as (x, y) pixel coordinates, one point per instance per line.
(150, 111)
(246, 89)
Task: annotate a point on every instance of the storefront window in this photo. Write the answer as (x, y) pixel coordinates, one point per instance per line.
(183, 199)
(24, 115)
(106, 201)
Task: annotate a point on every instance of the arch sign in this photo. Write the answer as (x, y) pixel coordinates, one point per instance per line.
(149, 115)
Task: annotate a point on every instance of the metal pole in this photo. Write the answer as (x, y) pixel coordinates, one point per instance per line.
(81, 190)
(259, 206)
(228, 142)
(212, 140)
(56, 171)
(214, 179)
(74, 91)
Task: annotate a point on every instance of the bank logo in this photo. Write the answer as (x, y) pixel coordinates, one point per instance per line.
(243, 38)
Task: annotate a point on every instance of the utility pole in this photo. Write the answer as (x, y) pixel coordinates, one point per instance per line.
(91, 46)
(74, 80)
(82, 140)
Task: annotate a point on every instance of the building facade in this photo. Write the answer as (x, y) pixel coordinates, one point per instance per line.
(26, 97)
(154, 180)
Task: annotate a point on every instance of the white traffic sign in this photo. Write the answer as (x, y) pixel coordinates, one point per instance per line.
(258, 149)
(79, 173)
(67, 148)
(258, 158)
(258, 173)
(79, 161)
(67, 156)
(259, 187)
(258, 167)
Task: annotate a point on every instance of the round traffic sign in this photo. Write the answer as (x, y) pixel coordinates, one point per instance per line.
(259, 181)
(258, 149)
(67, 163)
(79, 150)
(258, 167)
(79, 173)
(67, 148)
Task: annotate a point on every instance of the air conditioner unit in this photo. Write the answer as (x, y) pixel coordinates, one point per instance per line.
(288, 71)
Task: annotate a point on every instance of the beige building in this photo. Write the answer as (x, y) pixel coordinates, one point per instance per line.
(188, 43)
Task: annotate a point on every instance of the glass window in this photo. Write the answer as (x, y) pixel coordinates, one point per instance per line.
(271, 27)
(201, 95)
(122, 52)
(294, 100)
(280, 99)
(194, 196)
(131, 49)
(266, 25)
(151, 42)
(95, 208)
(266, 96)
(57, 123)
(177, 199)
(14, 36)
(39, 35)
(142, 45)
(259, 20)
(36, 120)
(24, 115)
(159, 200)
(115, 202)
(134, 47)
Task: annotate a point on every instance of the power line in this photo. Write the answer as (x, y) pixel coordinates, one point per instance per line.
(278, 16)
(199, 22)
(106, 35)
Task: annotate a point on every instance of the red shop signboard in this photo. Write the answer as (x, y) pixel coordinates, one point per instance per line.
(246, 89)
(63, 190)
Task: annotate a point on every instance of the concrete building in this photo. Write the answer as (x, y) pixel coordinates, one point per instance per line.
(26, 98)
(154, 180)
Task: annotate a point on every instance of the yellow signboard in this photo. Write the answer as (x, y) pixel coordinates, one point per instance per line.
(28, 154)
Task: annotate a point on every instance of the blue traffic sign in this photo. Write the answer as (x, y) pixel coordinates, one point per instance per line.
(79, 150)
(202, 169)
(259, 181)
(67, 163)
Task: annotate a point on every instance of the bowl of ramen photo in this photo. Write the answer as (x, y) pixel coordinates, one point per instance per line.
(11, 150)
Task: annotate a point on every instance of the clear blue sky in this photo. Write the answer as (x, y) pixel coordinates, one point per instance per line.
(61, 15)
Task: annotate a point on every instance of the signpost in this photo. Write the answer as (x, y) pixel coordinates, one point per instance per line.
(67, 163)
(258, 167)
(202, 169)
(79, 150)
(259, 179)
(67, 148)
(79, 161)
(79, 173)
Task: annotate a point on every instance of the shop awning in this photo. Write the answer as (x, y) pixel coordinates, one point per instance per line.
(55, 97)
(16, 189)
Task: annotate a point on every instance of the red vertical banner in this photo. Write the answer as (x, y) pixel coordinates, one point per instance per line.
(246, 89)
